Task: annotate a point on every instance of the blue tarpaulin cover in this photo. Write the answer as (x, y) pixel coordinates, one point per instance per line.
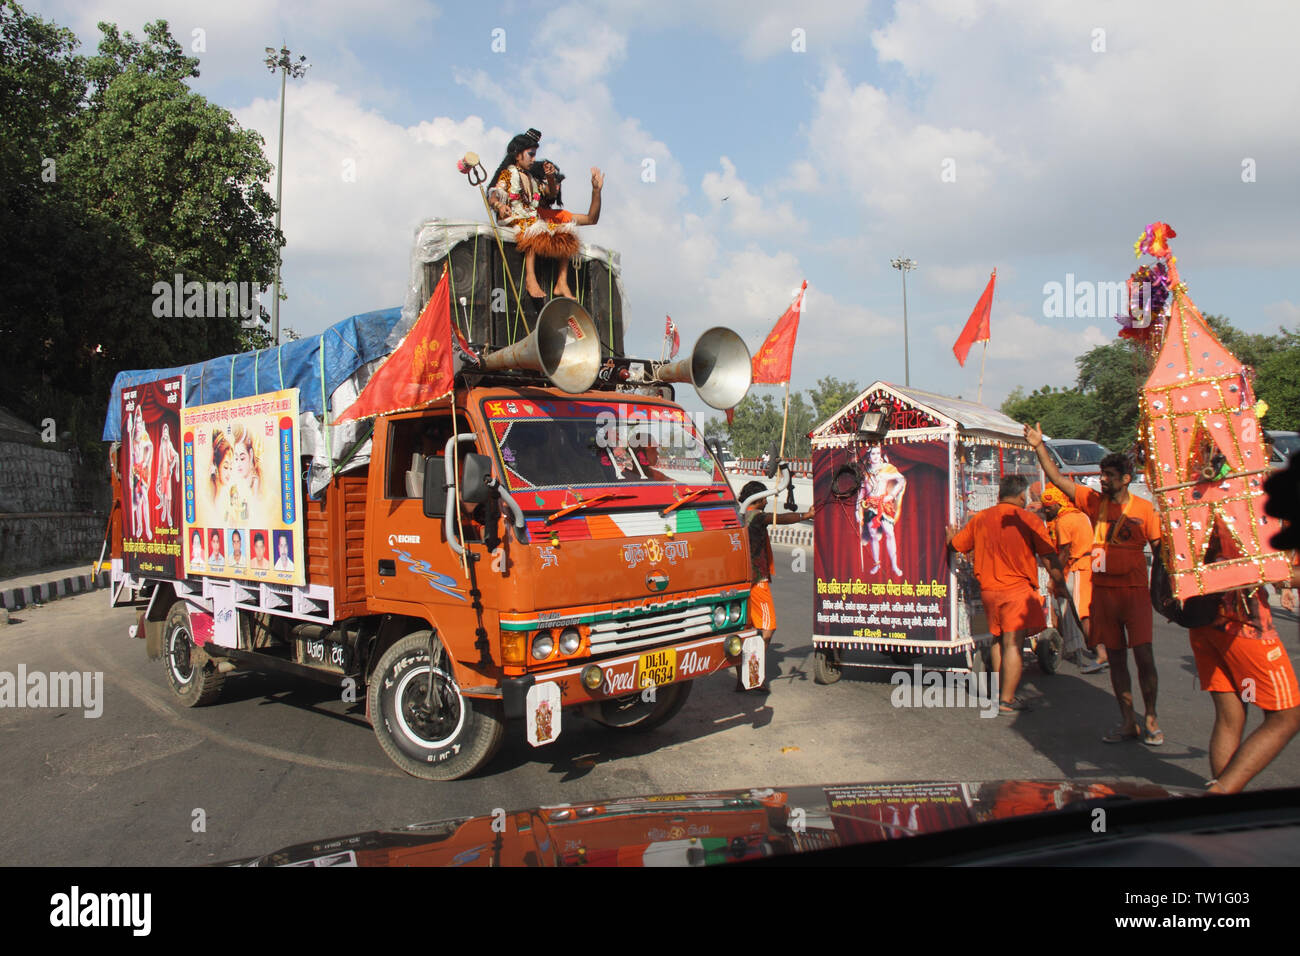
(315, 365)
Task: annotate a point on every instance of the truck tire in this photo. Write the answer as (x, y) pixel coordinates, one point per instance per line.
(194, 684)
(454, 744)
(636, 715)
(826, 665)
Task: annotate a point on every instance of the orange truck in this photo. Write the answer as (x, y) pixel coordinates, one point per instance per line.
(523, 553)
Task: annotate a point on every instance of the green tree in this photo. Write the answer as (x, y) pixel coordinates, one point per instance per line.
(1277, 382)
(115, 177)
(1063, 412)
(756, 424)
(830, 396)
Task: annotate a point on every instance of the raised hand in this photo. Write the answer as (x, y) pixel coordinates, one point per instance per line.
(597, 179)
(1034, 434)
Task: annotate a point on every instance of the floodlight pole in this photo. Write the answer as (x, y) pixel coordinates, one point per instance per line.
(905, 266)
(281, 61)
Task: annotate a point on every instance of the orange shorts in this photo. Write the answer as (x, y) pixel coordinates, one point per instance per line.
(762, 611)
(1121, 617)
(1225, 664)
(1080, 585)
(1020, 609)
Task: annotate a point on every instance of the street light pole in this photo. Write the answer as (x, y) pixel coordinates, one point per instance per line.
(282, 62)
(905, 266)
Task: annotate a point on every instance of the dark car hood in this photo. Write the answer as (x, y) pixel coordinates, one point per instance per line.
(723, 826)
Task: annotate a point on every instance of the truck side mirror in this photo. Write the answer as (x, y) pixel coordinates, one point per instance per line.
(474, 487)
(435, 494)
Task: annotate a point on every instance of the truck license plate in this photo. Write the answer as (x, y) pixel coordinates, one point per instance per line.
(657, 668)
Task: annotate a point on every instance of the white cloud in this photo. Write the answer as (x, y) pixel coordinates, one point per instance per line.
(746, 211)
(1285, 313)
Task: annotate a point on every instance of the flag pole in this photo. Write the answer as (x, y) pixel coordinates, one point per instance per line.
(983, 356)
(784, 416)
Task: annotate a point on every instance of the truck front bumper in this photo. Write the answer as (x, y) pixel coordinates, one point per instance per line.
(540, 697)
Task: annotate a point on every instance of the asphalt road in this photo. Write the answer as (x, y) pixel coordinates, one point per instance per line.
(280, 761)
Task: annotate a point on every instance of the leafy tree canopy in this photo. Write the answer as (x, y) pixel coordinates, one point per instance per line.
(115, 176)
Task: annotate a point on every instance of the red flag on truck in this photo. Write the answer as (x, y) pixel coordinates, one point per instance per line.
(772, 363)
(419, 372)
(977, 326)
(672, 335)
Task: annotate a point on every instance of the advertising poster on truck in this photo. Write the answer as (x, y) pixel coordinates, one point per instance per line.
(243, 513)
(881, 561)
(150, 466)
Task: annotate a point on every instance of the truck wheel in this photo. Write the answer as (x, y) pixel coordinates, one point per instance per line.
(826, 665)
(195, 684)
(454, 742)
(635, 714)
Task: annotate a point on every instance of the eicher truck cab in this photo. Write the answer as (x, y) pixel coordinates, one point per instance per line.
(554, 539)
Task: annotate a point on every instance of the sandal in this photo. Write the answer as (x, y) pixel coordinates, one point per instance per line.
(1014, 705)
(1117, 736)
(1153, 739)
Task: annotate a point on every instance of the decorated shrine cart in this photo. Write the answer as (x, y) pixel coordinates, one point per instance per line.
(891, 470)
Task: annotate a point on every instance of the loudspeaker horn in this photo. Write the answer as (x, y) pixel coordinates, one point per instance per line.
(565, 347)
(719, 367)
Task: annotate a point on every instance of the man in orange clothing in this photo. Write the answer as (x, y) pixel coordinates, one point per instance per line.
(1120, 615)
(1071, 532)
(1007, 540)
(762, 608)
(1240, 660)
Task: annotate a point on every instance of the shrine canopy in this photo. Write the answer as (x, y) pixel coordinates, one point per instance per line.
(918, 415)
(1205, 459)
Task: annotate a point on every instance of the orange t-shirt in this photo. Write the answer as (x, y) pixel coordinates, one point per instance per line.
(1074, 529)
(554, 215)
(1120, 535)
(1005, 540)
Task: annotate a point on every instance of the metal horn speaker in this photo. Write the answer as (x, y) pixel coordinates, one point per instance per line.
(565, 347)
(719, 367)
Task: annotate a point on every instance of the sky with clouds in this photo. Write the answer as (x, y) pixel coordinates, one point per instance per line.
(790, 141)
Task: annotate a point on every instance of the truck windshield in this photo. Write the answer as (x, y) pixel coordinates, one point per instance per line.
(586, 444)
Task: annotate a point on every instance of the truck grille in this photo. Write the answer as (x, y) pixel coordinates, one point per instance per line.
(646, 629)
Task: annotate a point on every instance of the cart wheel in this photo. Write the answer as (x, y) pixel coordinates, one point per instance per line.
(1048, 650)
(826, 665)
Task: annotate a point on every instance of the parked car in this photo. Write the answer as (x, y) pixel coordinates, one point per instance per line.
(1282, 446)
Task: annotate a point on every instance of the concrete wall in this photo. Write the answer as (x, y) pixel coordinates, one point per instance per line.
(52, 508)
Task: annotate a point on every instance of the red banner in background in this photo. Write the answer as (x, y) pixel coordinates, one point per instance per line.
(151, 478)
(880, 561)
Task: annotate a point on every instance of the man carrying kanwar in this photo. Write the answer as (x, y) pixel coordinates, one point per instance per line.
(1007, 541)
(1241, 659)
(1071, 531)
(1120, 613)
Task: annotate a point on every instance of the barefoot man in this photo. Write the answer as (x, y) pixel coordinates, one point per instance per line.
(1123, 525)
(550, 210)
(1240, 659)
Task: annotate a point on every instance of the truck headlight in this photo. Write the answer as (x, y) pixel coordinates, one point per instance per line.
(570, 641)
(592, 677)
(733, 617)
(733, 645)
(719, 616)
(543, 645)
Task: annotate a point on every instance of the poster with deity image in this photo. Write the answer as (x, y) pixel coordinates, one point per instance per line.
(151, 477)
(243, 513)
